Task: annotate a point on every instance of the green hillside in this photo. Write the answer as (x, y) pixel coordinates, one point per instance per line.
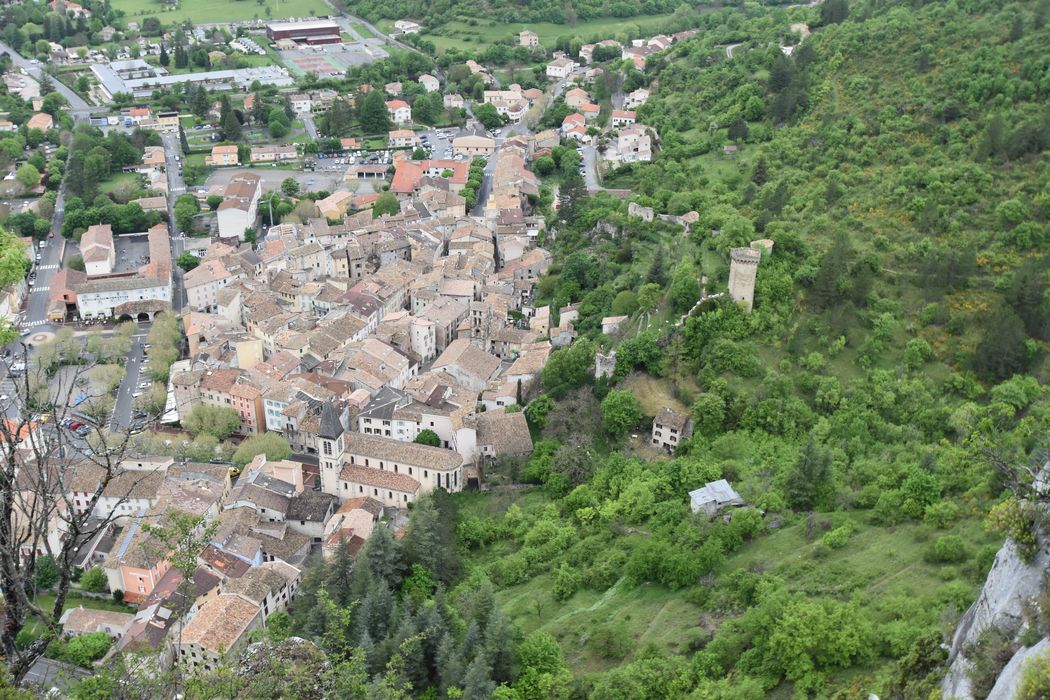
(897, 160)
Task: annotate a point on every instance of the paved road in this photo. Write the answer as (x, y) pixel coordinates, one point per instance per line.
(78, 106)
(344, 19)
(125, 393)
(311, 128)
(730, 49)
(589, 158)
(486, 183)
(51, 259)
(176, 187)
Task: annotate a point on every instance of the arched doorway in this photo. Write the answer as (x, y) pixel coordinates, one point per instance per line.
(144, 317)
(124, 317)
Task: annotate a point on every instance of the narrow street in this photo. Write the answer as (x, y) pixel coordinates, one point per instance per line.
(176, 187)
(310, 126)
(589, 158)
(122, 406)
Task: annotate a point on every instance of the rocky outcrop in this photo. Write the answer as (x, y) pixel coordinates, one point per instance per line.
(1008, 591)
(1010, 678)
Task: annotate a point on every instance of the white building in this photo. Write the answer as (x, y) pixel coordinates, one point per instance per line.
(560, 68)
(429, 83)
(239, 206)
(400, 112)
(101, 298)
(98, 251)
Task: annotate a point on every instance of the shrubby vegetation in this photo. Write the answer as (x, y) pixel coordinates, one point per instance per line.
(898, 337)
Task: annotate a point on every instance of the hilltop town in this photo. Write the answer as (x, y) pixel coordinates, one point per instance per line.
(523, 350)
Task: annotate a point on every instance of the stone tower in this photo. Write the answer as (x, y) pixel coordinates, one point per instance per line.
(743, 269)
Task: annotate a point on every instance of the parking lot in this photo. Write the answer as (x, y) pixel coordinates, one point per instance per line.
(316, 181)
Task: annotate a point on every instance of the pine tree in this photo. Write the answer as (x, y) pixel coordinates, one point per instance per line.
(338, 572)
(200, 101)
(993, 144)
(47, 86)
(164, 59)
(338, 119)
(425, 543)
(657, 273)
(573, 192)
(499, 647)
(182, 59)
(381, 607)
(808, 482)
(373, 115)
(258, 111)
(472, 640)
(368, 652)
(383, 558)
(231, 128)
(829, 281)
(1017, 29)
(478, 684)
(760, 171)
(1002, 352)
(449, 663)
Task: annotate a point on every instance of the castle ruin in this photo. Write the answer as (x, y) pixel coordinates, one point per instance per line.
(743, 269)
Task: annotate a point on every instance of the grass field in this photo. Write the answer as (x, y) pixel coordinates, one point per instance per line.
(112, 183)
(883, 567)
(362, 31)
(464, 35)
(653, 393)
(205, 11)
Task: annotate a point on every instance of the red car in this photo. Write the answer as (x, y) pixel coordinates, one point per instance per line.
(75, 425)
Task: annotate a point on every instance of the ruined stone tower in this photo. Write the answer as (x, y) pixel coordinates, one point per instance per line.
(743, 269)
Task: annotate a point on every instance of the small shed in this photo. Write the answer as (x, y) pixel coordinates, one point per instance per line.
(713, 497)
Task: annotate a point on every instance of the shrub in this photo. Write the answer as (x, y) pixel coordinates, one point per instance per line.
(46, 573)
(94, 580)
(837, 538)
(510, 570)
(606, 570)
(948, 549)
(612, 641)
(566, 582)
(941, 515)
(1014, 520)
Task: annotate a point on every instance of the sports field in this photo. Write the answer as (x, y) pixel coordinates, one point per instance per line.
(208, 11)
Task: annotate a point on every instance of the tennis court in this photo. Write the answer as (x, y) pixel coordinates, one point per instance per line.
(318, 64)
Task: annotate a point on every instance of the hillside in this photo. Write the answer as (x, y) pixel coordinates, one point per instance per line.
(897, 160)
(552, 11)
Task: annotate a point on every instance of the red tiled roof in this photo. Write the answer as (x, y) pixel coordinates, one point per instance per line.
(379, 478)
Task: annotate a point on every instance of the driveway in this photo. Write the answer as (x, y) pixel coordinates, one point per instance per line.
(589, 158)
